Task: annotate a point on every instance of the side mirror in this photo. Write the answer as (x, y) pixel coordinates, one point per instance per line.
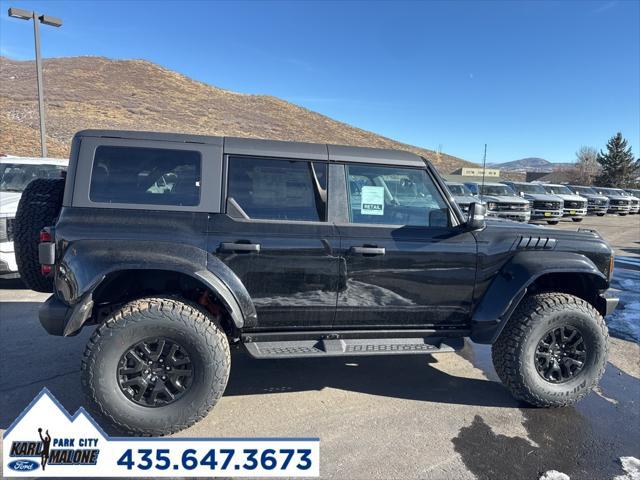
(477, 213)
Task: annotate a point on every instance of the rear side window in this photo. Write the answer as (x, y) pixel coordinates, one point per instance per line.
(149, 176)
(278, 189)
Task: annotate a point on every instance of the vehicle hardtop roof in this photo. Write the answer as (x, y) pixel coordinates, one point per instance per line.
(274, 148)
(60, 162)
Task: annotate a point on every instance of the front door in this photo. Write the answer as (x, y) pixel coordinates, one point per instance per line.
(405, 266)
(276, 239)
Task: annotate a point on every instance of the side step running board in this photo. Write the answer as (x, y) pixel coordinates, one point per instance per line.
(349, 347)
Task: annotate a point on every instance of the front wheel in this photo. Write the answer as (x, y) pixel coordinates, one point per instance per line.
(622, 214)
(577, 219)
(552, 222)
(601, 214)
(156, 366)
(553, 350)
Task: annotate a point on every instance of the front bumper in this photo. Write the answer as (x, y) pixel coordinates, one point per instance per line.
(597, 208)
(619, 209)
(64, 320)
(8, 263)
(510, 215)
(607, 303)
(575, 212)
(546, 214)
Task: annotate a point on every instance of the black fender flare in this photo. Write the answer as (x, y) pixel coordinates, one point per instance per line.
(510, 285)
(86, 264)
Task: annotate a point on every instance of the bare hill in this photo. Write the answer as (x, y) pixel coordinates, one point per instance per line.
(96, 92)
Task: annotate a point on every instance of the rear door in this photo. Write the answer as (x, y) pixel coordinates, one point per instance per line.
(275, 237)
(405, 264)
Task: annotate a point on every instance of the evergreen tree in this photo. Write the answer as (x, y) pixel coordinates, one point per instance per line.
(619, 168)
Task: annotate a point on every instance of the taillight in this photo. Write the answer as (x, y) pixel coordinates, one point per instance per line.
(45, 236)
(45, 269)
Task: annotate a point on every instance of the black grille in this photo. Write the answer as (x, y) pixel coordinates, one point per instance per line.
(599, 201)
(10, 228)
(619, 202)
(511, 207)
(542, 205)
(573, 204)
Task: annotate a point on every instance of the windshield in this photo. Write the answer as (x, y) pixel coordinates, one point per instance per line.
(458, 189)
(530, 188)
(558, 190)
(607, 191)
(496, 190)
(14, 177)
(587, 190)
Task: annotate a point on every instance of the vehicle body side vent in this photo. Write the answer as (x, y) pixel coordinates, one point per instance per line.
(536, 243)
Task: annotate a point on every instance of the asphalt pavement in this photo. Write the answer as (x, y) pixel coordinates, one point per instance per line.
(443, 416)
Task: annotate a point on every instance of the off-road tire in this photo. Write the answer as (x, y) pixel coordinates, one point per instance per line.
(577, 219)
(513, 351)
(170, 318)
(39, 207)
(553, 222)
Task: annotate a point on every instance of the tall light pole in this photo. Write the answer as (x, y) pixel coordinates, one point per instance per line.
(37, 19)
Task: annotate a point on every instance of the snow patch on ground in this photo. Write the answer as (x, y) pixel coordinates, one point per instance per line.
(631, 466)
(554, 475)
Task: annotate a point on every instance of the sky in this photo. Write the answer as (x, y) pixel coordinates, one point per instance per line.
(530, 79)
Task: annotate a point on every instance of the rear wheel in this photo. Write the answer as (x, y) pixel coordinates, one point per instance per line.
(39, 207)
(156, 366)
(553, 350)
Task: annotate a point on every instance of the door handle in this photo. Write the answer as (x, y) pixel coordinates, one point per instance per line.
(368, 250)
(239, 247)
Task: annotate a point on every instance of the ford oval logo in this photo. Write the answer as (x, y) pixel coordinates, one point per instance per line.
(23, 465)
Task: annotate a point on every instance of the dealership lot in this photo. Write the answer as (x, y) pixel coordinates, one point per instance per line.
(430, 417)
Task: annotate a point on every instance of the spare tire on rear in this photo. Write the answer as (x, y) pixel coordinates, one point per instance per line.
(39, 207)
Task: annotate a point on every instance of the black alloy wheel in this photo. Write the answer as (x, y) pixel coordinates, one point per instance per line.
(560, 354)
(155, 372)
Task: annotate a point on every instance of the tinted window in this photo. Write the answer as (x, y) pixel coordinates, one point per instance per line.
(279, 189)
(150, 176)
(14, 177)
(394, 196)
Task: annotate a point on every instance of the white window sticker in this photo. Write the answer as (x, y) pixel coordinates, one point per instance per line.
(372, 202)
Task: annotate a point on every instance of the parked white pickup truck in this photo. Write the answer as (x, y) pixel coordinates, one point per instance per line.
(15, 174)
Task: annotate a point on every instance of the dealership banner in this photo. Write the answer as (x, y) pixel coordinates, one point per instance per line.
(45, 441)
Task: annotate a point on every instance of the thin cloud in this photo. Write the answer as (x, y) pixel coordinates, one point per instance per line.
(605, 6)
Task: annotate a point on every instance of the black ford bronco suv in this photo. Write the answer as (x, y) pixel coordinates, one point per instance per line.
(175, 247)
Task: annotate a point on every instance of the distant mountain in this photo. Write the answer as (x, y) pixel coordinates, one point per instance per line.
(96, 92)
(530, 164)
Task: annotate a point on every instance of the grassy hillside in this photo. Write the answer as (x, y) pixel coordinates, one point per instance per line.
(95, 92)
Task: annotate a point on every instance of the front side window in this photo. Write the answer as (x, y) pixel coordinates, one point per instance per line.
(146, 176)
(270, 189)
(394, 196)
